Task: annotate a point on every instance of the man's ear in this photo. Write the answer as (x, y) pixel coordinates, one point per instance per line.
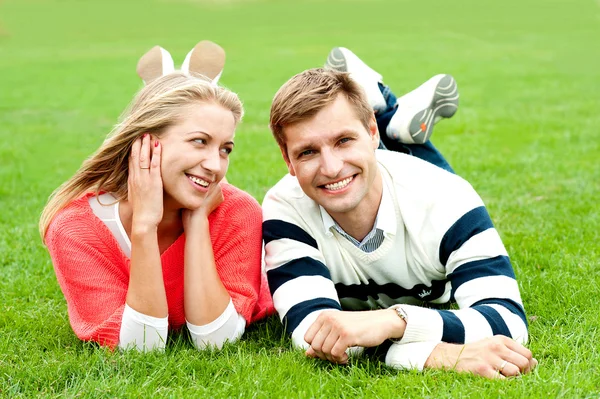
(374, 132)
(286, 158)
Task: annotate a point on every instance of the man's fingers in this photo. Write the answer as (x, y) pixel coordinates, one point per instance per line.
(320, 337)
(517, 347)
(310, 352)
(330, 340)
(339, 351)
(510, 370)
(317, 354)
(520, 356)
(518, 360)
(496, 375)
(309, 336)
(532, 364)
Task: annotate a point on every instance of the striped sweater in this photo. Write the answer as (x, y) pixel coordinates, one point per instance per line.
(442, 247)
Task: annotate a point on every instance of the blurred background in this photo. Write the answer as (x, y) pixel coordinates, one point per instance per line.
(526, 136)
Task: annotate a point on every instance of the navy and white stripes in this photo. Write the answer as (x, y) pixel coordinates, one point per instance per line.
(444, 248)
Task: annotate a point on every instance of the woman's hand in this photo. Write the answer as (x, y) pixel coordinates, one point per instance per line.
(146, 291)
(144, 185)
(205, 296)
(214, 198)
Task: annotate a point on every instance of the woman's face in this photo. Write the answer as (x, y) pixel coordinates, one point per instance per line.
(195, 154)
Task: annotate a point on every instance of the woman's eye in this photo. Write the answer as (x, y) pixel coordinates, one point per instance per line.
(200, 141)
(226, 150)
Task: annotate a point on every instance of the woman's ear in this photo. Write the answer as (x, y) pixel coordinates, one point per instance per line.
(154, 64)
(206, 58)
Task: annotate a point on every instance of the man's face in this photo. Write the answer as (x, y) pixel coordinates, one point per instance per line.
(333, 157)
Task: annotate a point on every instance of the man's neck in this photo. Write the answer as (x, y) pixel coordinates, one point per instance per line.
(360, 221)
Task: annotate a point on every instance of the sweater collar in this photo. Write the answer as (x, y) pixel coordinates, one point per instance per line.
(386, 215)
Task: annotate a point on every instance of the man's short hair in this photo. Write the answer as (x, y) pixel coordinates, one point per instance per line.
(308, 92)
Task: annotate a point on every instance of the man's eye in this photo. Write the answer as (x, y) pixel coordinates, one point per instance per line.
(345, 140)
(306, 153)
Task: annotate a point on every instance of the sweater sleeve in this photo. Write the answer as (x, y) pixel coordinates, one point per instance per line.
(92, 273)
(299, 280)
(142, 332)
(229, 326)
(236, 236)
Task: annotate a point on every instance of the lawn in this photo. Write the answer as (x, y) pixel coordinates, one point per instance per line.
(526, 136)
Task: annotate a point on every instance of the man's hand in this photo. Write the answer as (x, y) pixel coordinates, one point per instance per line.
(495, 357)
(334, 332)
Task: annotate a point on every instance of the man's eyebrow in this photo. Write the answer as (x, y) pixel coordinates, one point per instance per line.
(344, 133)
(303, 147)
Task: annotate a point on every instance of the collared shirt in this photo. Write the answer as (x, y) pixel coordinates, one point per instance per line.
(385, 223)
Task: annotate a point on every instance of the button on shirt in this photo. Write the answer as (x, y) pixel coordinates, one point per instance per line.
(385, 223)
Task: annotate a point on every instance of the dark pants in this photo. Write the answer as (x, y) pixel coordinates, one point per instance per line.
(426, 152)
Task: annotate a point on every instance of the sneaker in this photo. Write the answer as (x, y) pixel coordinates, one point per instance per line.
(423, 107)
(206, 58)
(343, 60)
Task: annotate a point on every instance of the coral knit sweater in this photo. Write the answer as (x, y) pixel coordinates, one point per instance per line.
(93, 272)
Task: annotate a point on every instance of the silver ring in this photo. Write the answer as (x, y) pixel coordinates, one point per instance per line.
(504, 363)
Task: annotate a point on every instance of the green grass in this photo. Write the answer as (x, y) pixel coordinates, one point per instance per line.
(526, 136)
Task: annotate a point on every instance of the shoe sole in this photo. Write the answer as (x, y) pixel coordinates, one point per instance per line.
(339, 61)
(336, 60)
(444, 104)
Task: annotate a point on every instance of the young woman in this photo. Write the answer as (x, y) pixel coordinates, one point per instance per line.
(145, 237)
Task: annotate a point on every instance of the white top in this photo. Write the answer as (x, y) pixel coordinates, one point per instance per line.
(439, 246)
(144, 332)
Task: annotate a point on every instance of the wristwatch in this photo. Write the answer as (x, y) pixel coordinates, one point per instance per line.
(401, 314)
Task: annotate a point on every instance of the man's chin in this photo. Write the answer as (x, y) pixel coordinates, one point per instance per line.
(336, 207)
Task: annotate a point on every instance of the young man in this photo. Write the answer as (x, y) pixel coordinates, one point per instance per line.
(361, 244)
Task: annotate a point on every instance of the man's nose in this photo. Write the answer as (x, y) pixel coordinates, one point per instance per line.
(331, 163)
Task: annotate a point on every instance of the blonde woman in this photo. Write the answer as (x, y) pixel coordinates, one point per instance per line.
(145, 238)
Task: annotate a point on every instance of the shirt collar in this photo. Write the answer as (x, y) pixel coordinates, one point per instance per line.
(386, 215)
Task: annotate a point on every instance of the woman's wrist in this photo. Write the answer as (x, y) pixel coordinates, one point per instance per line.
(197, 224)
(143, 229)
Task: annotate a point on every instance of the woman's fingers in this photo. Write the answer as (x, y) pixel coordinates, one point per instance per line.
(144, 162)
(134, 157)
(155, 162)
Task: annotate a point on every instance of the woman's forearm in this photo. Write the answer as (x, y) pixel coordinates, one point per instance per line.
(146, 292)
(205, 296)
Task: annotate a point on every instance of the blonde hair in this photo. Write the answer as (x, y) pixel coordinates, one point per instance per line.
(156, 107)
(308, 92)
